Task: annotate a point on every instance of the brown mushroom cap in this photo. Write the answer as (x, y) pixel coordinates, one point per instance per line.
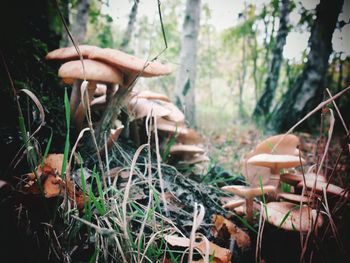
(249, 192)
(296, 220)
(140, 108)
(185, 149)
(275, 161)
(279, 144)
(70, 53)
(175, 115)
(191, 137)
(130, 64)
(94, 71)
(253, 172)
(331, 189)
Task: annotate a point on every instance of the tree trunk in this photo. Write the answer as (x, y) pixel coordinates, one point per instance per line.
(80, 24)
(185, 81)
(263, 106)
(241, 79)
(129, 30)
(307, 90)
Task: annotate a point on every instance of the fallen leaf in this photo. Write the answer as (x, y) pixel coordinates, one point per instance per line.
(242, 239)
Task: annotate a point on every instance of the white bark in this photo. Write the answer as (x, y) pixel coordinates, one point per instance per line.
(185, 80)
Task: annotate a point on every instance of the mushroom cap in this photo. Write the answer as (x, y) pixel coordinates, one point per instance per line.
(151, 95)
(234, 203)
(140, 108)
(175, 115)
(275, 161)
(100, 90)
(331, 189)
(52, 186)
(248, 192)
(279, 144)
(130, 64)
(294, 197)
(185, 149)
(70, 53)
(168, 126)
(200, 158)
(253, 172)
(191, 137)
(294, 179)
(297, 219)
(94, 71)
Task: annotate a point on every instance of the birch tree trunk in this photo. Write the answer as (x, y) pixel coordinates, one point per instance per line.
(308, 89)
(79, 26)
(263, 105)
(130, 28)
(185, 79)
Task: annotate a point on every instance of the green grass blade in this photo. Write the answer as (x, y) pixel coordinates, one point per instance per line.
(67, 143)
(47, 148)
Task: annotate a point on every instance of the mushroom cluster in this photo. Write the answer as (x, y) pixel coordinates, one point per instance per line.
(264, 169)
(183, 143)
(105, 70)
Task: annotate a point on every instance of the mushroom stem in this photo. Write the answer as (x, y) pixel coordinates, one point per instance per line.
(249, 209)
(75, 96)
(80, 112)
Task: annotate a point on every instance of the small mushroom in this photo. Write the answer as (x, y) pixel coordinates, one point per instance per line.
(140, 108)
(248, 193)
(171, 127)
(294, 179)
(151, 95)
(294, 198)
(290, 216)
(185, 149)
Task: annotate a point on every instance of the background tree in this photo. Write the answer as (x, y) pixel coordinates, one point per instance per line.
(263, 105)
(79, 26)
(131, 24)
(308, 89)
(185, 81)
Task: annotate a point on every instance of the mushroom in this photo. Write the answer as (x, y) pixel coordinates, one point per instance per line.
(294, 179)
(140, 108)
(171, 127)
(275, 162)
(234, 203)
(185, 149)
(71, 53)
(95, 72)
(290, 216)
(128, 64)
(248, 193)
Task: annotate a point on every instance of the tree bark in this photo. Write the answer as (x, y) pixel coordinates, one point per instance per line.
(130, 28)
(308, 88)
(263, 106)
(185, 81)
(80, 24)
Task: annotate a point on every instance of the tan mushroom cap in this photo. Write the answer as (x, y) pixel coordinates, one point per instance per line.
(52, 186)
(94, 71)
(130, 64)
(200, 158)
(294, 197)
(234, 203)
(279, 144)
(140, 108)
(275, 161)
(175, 115)
(294, 179)
(185, 149)
(297, 219)
(253, 172)
(191, 137)
(151, 95)
(171, 127)
(331, 188)
(70, 53)
(248, 192)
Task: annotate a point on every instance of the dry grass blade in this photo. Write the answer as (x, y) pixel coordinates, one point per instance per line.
(197, 220)
(32, 96)
(127, 190)
(338, 112)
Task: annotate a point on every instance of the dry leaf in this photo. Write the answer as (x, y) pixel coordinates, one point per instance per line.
(221, 255)
(241, 238)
